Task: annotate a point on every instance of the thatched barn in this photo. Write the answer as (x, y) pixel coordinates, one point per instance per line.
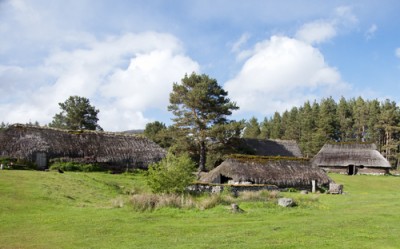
(271, 147)
(41, 144)
(351, 159)
(283, 172)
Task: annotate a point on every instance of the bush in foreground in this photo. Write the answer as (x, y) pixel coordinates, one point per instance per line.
(171, 175)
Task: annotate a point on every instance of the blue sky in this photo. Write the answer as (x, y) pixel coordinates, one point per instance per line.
(125, 55)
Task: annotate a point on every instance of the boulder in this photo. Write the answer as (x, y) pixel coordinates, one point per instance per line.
(335, 188)
(286, 202)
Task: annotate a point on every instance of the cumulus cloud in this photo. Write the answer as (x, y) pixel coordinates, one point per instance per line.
(316, 32)
(371, 32)
(124, 76)
(283, 72)
(320, 31)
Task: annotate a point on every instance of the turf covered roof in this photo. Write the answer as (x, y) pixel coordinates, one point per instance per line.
(22, 141)
(279, 171)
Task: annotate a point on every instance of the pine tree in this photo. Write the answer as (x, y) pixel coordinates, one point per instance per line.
(276, 126)
(345, 120)
(76, 114)
(389, 123)
(252, 128)
(198, 103)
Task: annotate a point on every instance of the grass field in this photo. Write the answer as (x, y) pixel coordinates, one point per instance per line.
(83, 210)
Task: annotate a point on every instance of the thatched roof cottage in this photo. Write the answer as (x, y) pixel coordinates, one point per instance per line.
(351, 159)
(283, 172)
(40, 144)
(272, 147)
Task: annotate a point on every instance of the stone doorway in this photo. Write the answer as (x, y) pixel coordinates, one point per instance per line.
(351, 170)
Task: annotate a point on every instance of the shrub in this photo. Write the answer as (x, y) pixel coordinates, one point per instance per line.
(73, 166)
(171, 175)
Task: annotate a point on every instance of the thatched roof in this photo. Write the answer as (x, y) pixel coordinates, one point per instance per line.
(282, 172)
(345, 154)
(22, 141)
(269, 147)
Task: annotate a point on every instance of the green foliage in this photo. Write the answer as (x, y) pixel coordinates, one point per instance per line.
(172, 174)
(252, 129)
(74, 166)
(159, 133)
(226, 141)
(199, 103)
(5, 160)
(352, 120)
(17, 164)
(76, 114)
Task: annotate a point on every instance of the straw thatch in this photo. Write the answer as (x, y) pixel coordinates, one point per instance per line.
(30, 142)
(351, 158)
(269, 147)
(282, 172)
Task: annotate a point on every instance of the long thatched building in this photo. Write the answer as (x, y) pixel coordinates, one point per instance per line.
(351, 159)
(283, 172)
(272, 147)
(113, 150)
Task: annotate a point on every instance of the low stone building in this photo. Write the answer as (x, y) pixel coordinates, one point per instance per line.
(111, 150)
(351, 159)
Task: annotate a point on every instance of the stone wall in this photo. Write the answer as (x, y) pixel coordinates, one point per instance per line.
(359, 170)
(218, 188)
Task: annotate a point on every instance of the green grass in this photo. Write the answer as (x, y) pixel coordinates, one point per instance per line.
(82, 210)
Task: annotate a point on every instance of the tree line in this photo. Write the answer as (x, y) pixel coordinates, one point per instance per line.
(348, 120)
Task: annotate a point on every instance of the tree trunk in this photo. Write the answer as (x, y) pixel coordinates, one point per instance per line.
(202, 162)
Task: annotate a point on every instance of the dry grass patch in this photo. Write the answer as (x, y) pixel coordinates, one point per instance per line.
(149, 202)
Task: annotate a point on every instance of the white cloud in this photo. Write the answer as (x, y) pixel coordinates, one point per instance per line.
(316, 32)
(345, 15)
(148, 79)
(123, 76)
(240, 42)
(371, 32)
(324, 30)
(283, 72)
(397, 52)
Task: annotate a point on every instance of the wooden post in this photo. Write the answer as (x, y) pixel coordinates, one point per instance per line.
(313, 186)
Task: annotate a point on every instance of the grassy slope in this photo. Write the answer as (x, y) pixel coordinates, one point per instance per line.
(77, 210)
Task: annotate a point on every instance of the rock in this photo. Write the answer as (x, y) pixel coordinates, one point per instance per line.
(286, 202)
(335, 188)
(235, 208)
(217, 189)
(304, 192)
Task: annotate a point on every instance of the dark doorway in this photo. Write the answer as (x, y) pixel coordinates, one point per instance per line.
(224, 179)
(41, 160)
(352, 170)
